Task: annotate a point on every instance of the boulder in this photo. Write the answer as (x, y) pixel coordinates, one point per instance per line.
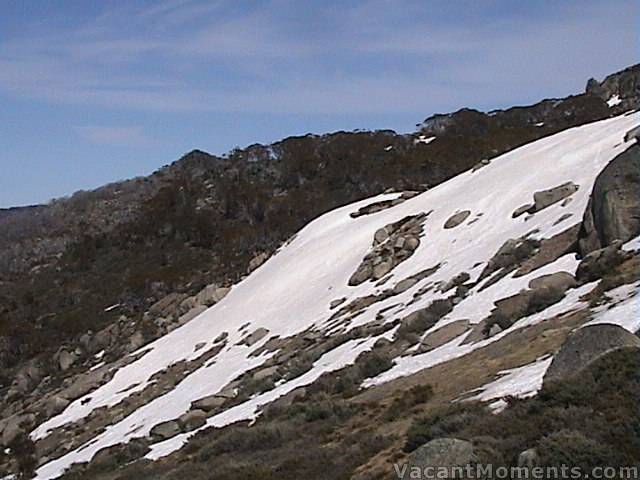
(165, 430)
(528, 459)
(55, 405)
(16, 425)
(192, 419)
(559, 281)
(167, 305)
(404, 285)
(521, 210)
(586, 345)
(257, 261)
(254, 337)
(211, 295)
(441, 452)
(209, 403)
(456, 219)
(444, 335)
(633, 134)
(65, 360)
(191, 314)
(600, 262)
(551, 196)
(265, 373)
(613, 212)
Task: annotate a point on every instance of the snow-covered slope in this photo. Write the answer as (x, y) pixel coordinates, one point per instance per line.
(293, 291)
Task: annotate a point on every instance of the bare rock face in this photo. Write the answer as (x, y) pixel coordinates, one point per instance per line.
(585, 346)
(613, 212)
(441, 452)
(392, 245)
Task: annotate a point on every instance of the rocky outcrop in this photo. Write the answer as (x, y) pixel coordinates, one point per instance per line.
(585, 346)
(613, 212)
(392, 245)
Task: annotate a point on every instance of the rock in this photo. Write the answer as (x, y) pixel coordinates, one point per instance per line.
(404, 285)
(257, 261)
(546, 198)
(165, 430)
(211, 295)
(550, 250)
(381, 235)
(444, 335)
(528, 459)
(221, 338)
(136, 341)
(457, 219)
(586, 345)
(254, 337)
(521, 210)
(633, 134)
(381, 269)
(613, 212)
(336, 303)
(167, 305)
(191, 314)
(392, 245)
(600, 262)
(192, 419)
(209, 403)
(561, 281)
(55, 405)
(65, 360)
(441, 452)
(494, 330)
(187, 304)
(16, 425)
(83, 384)
(265, 373)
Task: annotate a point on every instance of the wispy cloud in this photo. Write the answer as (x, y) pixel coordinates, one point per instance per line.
(369, 56)
(128, 136)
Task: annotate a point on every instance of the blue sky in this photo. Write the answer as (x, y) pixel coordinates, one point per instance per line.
(92, 92)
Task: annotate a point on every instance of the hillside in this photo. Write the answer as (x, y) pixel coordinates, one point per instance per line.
(273, 302)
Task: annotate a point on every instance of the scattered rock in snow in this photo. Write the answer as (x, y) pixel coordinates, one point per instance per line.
(383, 205)
(546, 198)
(521, 210)
(254, 337)
(456, 219)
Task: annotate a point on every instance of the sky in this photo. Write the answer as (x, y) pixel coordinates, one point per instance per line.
(94, 92)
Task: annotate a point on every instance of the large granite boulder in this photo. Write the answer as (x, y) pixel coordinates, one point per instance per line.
(585, 346)
(613, 212)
